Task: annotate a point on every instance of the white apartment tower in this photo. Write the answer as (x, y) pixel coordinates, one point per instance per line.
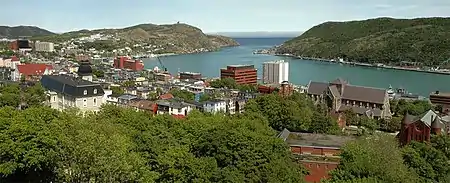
(44, 47)
(275, 72)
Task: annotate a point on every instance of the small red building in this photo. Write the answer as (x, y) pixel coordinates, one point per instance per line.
(420, 128)
(284, 89)
(318, 153)
(128, 63)
(242, 74)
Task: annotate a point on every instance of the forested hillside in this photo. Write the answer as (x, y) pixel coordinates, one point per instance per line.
(381, 40)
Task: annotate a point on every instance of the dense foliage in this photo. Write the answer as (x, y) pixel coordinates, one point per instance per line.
(379, 159)
(375, 157)
(296, 113)
(15, 95)
(381, 40)
(120, 145)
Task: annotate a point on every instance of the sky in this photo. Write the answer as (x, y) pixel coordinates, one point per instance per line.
(209, 15)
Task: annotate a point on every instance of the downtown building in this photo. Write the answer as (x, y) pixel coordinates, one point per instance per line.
(242, 74)
(128, 63)
(275, 72)
(44, 47)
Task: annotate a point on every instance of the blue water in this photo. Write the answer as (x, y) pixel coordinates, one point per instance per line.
(301, 71)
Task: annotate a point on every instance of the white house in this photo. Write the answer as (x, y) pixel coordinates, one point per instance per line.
(173, 107)
(214, 106)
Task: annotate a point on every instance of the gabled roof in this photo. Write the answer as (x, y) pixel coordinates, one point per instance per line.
(317, 88)
(33, 69)
(14, 58)
(339, 81)
(350, 92)
(166, 96)
(365, 94)
(427, 118)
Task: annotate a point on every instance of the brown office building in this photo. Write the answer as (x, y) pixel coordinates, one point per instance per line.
(242, 74)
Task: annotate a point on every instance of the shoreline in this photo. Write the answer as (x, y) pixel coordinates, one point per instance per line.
(382, 66)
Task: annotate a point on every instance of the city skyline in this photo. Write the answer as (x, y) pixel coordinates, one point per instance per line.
(210, 16)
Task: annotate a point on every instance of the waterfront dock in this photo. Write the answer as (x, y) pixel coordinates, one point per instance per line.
(366, 64)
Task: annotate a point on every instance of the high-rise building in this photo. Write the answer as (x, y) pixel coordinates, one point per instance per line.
(242, 74)
(275, 72)
(44, 47)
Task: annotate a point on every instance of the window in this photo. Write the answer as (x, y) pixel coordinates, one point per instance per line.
(95, 101)
(85, 92)
(84, 102)
(54, 98)
(95, 91)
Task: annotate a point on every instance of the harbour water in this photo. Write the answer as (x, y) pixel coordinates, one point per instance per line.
(302, 71)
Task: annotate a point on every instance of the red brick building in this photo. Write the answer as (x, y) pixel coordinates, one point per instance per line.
(284, 89)
(318, 153)
(420, 128)
(242, 74)
(128, 63)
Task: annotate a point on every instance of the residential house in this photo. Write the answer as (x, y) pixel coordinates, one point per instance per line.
(419, 128)
(166, 96)
(174, 107)
(215, 106)
(340, 96)
(234, 105)
(144, 105)
(32, 72)
(143, 92)
(69, 92)
(125, 99)
(131, 90)
(318, 153)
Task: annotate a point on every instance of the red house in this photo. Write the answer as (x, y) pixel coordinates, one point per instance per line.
(318, 153)
(128, 63)
(419, 128)
(32, 72)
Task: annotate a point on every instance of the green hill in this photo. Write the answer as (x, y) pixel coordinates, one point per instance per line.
(22, 31)
(178, 38)
(381, 40)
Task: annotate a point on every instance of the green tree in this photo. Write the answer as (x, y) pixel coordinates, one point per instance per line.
(224, 83)
(117, 90)
(429, 163)
(183, 94)
(375, 157)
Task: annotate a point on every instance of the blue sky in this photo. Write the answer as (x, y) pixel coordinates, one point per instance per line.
(209, 15)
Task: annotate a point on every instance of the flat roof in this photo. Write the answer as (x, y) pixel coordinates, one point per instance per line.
(275, 62)
(321, 140)
(240, 65)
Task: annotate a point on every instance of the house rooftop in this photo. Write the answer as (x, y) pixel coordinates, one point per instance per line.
(69, 80)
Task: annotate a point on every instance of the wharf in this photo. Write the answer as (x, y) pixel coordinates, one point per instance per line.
(367, 65)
